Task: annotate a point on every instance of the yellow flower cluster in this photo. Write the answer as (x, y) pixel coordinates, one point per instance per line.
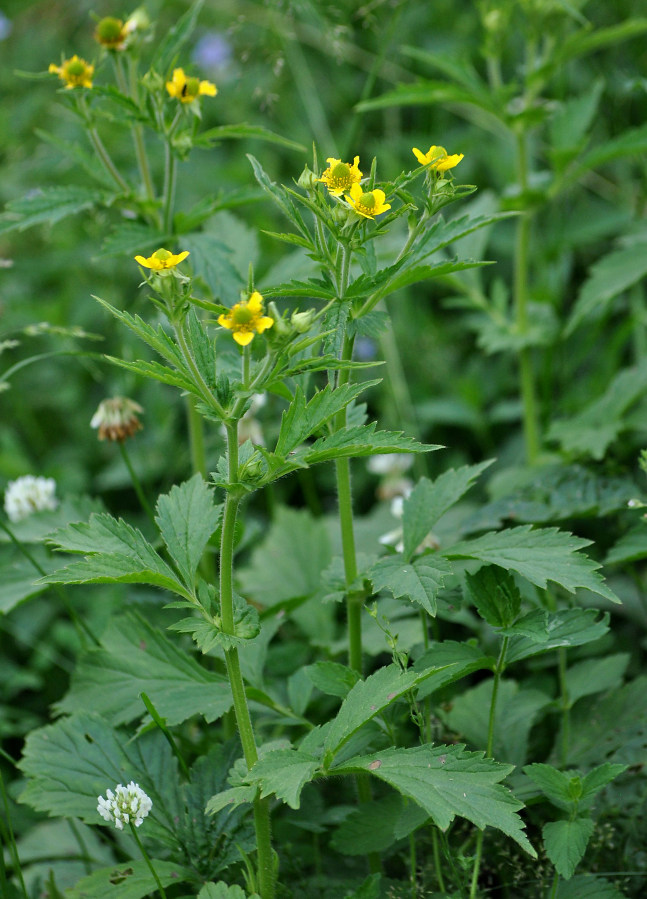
(340, 177)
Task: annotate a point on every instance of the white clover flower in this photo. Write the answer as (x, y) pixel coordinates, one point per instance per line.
(389, 463)
(29, 494)
(127, 805)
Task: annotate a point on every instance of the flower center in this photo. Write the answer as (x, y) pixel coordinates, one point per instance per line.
(76, 67)
(242, 315)
(192, 87)
(109, 30)
(367, 201)
(341, 172)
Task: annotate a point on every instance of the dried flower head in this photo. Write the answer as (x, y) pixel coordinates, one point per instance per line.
(75, 72)
(116, 419)
(437, 159)
(187, 89)
(162, 259)
(29, 494)
(127, 805)
(246, 319)
(369, 203)
(340, 176)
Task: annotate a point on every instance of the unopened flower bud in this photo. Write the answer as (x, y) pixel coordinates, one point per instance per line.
(281, 326)
(307, 179)
(301, 321)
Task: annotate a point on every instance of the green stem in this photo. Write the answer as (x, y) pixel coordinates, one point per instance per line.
(82, 628)
(148, 861)
(205, 392)
(413, 865)
(438, 868)
(99, 148)
(196, 438)
(553, 892)
(139, 490)
(500, 666)
(9, 840)
(266, 877)
(566, 706)
(170, 173)
(526, 375)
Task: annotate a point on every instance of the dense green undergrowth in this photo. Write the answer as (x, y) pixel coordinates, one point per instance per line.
(360, 611)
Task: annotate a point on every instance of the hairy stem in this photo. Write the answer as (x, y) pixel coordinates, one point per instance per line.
(139, 490)
(148, 861)
(500, 665)
(243, 720)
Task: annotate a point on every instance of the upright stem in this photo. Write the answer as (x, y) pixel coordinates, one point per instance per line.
(500, 665)
(170, 171)
(243, 720)
(566, 706)
(148, 861)
(139, 490)
(526, 375)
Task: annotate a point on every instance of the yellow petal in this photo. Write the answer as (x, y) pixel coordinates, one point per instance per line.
(208, 89)
(263, 323)
(419, 156)
(225, 320)
(243, 337)
(143, 261)
(180, 257)
(255, 303)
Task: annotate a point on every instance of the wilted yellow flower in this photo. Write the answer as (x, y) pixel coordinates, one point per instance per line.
(368, 204)
(246, 319)
(162, 259)
(116, 419)
(340, 176)
(75, 72)
(187, 89)
(437, 158)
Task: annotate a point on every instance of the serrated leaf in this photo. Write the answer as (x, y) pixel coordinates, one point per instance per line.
(360, 441)
(452, 661)
(332, 678)
(70, 763)
(241, 131)
(539, 631)
(129, 880)
(565, 843)
(50, 205)
(428, 501)
(301, 419)
(212, 260)
(157, 339)
(611, 728)
(632, 142)
(130, 238)
(334, 324)
(187, 517)
(442, 233)
(447, 781)
(495, 595)
(608, 277)
(117, 553)
(420, 580)
(156, 372)
(541, 555)
(231, 799)
(284, 772)
(596, 780)
(554, 784)
(367, 699)
(631, 547)
(588, 886)
(19, 578)
(136, 658)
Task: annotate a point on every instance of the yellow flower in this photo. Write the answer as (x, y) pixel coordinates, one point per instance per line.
(162, 259)
(75, 72)
(187, 89)
(367, 204)
(437, 158)
(246, 318)
(340, 176)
